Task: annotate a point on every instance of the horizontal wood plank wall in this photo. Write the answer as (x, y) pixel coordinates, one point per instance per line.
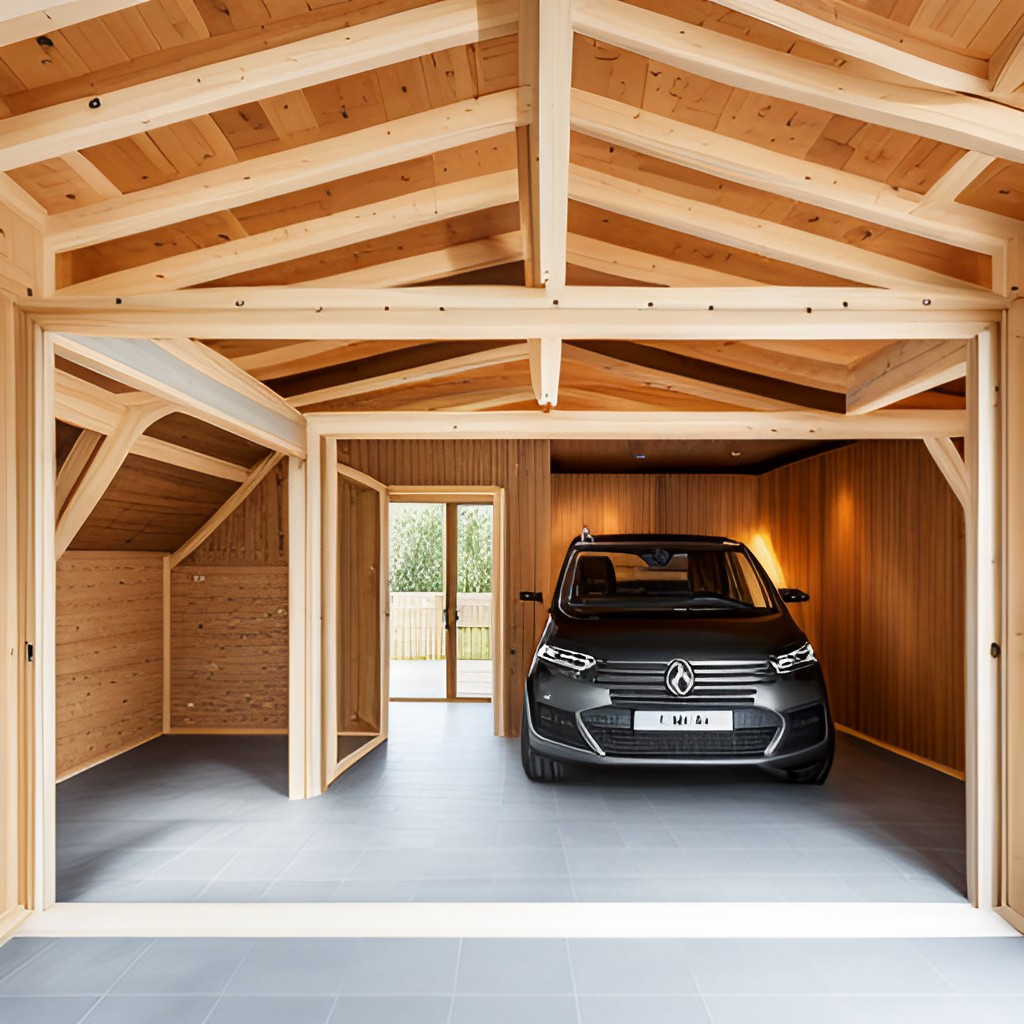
(721, 505)
(109, 655)
(229, 621)
(522, 469)
(874, 534)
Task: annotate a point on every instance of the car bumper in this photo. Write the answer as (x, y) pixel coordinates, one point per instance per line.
(776, 734)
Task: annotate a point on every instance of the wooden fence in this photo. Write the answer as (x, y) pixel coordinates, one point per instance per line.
(417, 627)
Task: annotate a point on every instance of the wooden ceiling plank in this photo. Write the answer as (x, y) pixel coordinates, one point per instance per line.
(726, 227)
(430, 266)
(620, 261)
(193, 378)
(53, 131)
(901, 370)
(276, 174)
(26, 19)
(115, 448)
(704, 379)
(554, 86)
(960, 120)
(855, 44)
(393, 369)
(294, 241)
(1006, 66)
(662, 425)
(757, 167)
(545, 355)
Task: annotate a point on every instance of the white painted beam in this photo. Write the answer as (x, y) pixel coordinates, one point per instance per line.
(901, 370)
(653, 425)
(554, 81)
(276, 174)
(294, 241)
(801, 180)
(545, 368)
(74, 124)
(193, 378)
(960, 120)
(776, 241)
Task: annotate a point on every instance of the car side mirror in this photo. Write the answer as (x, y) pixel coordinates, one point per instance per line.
(793, 596)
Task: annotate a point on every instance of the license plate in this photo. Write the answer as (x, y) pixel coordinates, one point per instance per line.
(686, 721)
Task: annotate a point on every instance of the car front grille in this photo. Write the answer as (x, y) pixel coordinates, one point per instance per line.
(738, 743)
(642, 683)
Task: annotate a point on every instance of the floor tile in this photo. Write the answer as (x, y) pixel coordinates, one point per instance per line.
(510, 966)
(402, 967)
(390, 1010)
(75, 967)
(641, 967)
(184, 966)
(152, 1010)
(514, 1010)
(273, 1010)
(45, 1009)
(645, 1009)
(301, 967)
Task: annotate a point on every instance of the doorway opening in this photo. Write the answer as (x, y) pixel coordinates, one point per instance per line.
(441, 598)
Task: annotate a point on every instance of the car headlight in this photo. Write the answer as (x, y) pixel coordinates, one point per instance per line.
(793, 660)
(570, 663)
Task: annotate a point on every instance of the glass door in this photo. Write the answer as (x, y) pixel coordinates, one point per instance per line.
(472, 655)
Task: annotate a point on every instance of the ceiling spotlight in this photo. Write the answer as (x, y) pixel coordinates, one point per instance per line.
(641, 456)
(735, 455)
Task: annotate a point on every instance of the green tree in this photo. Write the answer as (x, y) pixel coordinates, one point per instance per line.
(475, 535)
(417, 548)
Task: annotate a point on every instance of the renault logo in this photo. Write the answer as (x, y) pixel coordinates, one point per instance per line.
(679, 677)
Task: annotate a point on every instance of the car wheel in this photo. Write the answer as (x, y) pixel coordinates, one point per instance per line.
(813, 774)
(537, 767)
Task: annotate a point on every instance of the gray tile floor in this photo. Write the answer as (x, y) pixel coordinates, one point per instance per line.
(443, 812)
(544, 981)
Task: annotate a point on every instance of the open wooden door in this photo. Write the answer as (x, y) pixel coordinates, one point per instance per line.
(355, 616)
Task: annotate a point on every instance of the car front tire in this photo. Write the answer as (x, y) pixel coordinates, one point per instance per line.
(537, 767)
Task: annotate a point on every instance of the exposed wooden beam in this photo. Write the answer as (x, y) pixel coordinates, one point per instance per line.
(14, 196)
(102, 470)
(92, 176)
(26, 19)
(758, 167)
(609, 258)
(430, 266)
(476, 400)
(478, 313)
(951, 465)
(187, 458)
(545, 369)
(252, 481)
(726, 227)
(944, 192)
(527, 136)
(294, 241)
(276, 174)
(75, 465)
(960, 120)
(554, 81)
(1006, 65)
(194, 379)
(834, 36)
(75, 124)
(392, 369)
(643, 364)
(654, 425)
(901, 370)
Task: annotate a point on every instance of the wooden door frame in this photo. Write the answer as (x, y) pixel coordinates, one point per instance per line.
(477, 495)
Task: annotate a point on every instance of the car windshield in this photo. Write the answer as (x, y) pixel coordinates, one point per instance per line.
(663, 579)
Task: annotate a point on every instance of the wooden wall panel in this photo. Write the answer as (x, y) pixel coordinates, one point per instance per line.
(721, 505)
(522, 469)
(229, 620)
(229, 648)
(109, 655)
(874, 534)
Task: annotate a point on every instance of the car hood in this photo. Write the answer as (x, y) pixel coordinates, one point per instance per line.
(704, 639)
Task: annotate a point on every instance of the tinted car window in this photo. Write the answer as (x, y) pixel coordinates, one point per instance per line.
(673, 579)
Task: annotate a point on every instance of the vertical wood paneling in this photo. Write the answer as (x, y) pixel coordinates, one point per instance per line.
(109, 655)
(521, 468)
(875, 535)
(229, 620)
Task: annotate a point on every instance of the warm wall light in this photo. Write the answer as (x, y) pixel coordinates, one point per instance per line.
(764, 551)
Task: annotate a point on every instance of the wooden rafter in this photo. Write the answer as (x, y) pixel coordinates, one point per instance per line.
(495, 251)
(951, 465)
(545, 369)
(656, 366)
(957, 119)
(527, 138)
(726, 227)
(901, 370)
(251, 181)
(73, 470)
(402, 366)
(26, 19)
(306, 238)
(103, 468)
(758, 167)
(1006, 66)
(42, 134)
